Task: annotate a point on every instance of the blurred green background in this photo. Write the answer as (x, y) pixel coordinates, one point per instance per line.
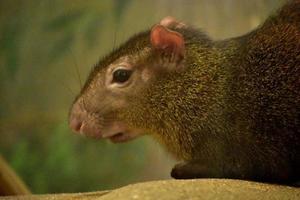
(43, 43)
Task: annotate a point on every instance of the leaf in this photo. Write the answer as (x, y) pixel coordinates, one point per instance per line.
(64, 21)
(92, 32)
(61, 47)
(9, 46)
(120, 7)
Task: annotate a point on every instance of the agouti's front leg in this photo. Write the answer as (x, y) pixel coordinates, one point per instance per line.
(193, 169)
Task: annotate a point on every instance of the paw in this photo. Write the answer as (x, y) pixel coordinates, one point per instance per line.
(184, 171)
(193, 169)
(177, 173)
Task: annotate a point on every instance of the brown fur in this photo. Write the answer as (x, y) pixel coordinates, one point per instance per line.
(233, 112)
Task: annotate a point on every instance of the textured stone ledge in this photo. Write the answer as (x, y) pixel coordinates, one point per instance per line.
(183, 189)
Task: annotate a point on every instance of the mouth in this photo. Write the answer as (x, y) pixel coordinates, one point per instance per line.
(90, 125)
(116, 133)
(120, 137)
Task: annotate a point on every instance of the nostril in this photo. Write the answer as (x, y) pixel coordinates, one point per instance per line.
(75, 125)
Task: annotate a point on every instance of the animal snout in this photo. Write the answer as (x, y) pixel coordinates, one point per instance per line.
(76, 118)
(75, 124)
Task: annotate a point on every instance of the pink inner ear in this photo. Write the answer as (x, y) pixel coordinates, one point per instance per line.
(167, 40)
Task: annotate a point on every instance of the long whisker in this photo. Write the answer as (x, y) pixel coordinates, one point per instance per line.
(76, 67)
(68, 89)
(65, 86)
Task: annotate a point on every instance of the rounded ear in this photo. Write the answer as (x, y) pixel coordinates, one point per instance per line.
(171, 43)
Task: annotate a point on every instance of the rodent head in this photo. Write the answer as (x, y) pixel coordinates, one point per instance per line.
(117, 86)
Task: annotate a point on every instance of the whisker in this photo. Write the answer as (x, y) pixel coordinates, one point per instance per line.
(68, 89)
(64, 85)
(76, 67)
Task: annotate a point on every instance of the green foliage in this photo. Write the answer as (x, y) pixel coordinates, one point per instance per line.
(58, 162)
(47, 156)
(61, 47)
(64, 21)
(120, 7)
(66, 25)
(93, 27)
(9, 45)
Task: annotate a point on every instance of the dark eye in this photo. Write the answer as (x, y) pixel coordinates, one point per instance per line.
(121, 75)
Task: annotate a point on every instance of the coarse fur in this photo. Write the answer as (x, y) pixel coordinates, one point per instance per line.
(233, 111)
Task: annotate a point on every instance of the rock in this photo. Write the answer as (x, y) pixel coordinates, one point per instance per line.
(203, 189)
(216, 189)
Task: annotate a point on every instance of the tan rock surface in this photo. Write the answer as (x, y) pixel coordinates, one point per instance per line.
(185, 189)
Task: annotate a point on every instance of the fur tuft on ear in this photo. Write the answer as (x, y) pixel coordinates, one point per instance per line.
(170, 43)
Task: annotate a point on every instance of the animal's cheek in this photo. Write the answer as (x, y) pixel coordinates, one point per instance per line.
(146, 74)
(119, 103)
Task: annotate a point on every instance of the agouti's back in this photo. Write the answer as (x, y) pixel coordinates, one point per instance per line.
(265, 91)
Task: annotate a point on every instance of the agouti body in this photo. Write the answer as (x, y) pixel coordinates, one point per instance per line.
(228, 109)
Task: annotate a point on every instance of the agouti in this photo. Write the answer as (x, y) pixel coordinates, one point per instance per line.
(227, 109)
